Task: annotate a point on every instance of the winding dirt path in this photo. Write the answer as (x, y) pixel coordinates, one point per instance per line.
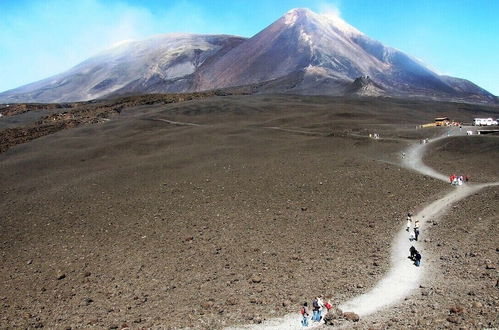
(403, 277)
(177, 123)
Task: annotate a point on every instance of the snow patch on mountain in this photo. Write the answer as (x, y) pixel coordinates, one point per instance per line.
(290, 17)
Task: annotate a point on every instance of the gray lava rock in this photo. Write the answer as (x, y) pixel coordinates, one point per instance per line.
(256, 279)
(351, 316)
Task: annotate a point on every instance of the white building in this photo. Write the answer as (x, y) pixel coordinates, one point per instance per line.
(484, 122)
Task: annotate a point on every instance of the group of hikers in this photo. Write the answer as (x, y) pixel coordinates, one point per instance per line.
(414, 254)
(318, 309)
(457, 180)
(318, 305)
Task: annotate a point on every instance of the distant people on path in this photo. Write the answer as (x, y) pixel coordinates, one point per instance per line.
(415, 256)
(304, 313)
(458, 180)
(416, 229)
(328, 305)
(417, 262)
(316, 310)
(321, 307)
(409, 221)
(413, 251)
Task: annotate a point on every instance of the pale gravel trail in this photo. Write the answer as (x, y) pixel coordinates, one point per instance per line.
(403, 277)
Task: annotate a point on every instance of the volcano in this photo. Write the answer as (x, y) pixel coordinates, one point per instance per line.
(301, 53)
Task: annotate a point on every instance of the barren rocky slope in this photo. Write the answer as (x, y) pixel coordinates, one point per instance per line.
(140, 222)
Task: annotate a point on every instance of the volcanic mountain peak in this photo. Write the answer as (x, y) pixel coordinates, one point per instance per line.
(302, 52)
(324, 20)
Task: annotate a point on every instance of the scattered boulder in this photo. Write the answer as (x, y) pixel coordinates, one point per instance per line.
(351, 316)
(457, 310)
(207, 304)
(333, 316)
(255, 301)
(231, 301)
(452, 319)
(60, 275)
(489, 265)
(255, 279)
(477, 304)
(336, 313)
(329, 319)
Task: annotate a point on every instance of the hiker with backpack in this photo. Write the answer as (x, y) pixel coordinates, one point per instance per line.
(413, 252)
(316, 310)
(417, 257)
(304, 313)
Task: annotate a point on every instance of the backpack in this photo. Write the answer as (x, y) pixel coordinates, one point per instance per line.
(315, 303)
(302, 311)
(328, 305)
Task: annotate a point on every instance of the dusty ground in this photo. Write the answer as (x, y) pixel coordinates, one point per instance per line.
(140, 222)
(476, 156)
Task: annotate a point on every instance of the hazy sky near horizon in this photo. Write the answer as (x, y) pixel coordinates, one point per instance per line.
(40, 38)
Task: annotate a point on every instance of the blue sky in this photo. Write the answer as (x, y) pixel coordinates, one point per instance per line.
(39, 38)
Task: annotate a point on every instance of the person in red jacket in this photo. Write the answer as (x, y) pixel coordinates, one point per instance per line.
(304, 313)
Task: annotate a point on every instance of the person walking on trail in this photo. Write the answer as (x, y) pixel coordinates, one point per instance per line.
(321, 306)
(328, 305)
(416, 229)
(316, 310)
(304, 313)
(417, 258)
(409, 221)
(413, 252)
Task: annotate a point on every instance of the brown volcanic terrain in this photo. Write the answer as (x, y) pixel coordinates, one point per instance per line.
(269, 201)
(476, 156)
